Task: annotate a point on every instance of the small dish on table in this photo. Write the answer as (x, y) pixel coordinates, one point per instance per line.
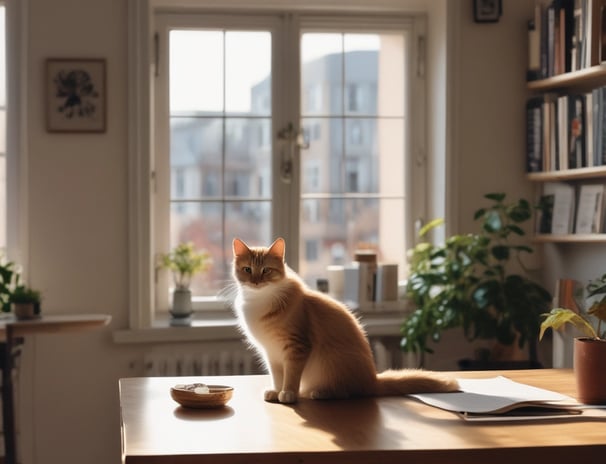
(201, 396)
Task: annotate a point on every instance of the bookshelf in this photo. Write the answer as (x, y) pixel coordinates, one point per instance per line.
(569, 238)
(582, 79)
(568, 174)
(570, 67)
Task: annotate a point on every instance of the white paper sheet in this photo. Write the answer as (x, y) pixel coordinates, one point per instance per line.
(485, 398)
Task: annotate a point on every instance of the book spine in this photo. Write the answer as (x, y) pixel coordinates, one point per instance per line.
(534, 135)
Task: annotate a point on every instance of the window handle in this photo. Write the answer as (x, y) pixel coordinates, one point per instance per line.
(292, 139)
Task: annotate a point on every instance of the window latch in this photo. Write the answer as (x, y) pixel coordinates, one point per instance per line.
(293, 140)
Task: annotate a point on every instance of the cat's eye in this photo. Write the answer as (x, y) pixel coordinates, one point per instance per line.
(266, 270)
(247, 269)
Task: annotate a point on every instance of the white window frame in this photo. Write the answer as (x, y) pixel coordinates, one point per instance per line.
(141, 146)
(16, 133)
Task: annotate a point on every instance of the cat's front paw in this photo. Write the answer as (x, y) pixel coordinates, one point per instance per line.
(271, 396)
(287, 397)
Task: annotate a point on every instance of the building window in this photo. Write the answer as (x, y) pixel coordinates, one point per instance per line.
(219, 104)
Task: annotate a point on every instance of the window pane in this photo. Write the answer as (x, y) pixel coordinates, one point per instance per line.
(391, 75)
(211, 226)
(248, 158)
(338, 227)
(247, 72)
(196, 157)
(361, 160)
(361, 56)
(322, 162)
(322, 74)
(353, 173)
(335, 228)
(217, 156)
(196, 71)
(391, 148)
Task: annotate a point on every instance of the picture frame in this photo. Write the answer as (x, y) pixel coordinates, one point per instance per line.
(76, 95)
(487, 11)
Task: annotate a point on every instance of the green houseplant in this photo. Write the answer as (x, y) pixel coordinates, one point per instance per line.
(9, 277)
(590, 347)
(25, 301)
(184, 261)
(468, 282)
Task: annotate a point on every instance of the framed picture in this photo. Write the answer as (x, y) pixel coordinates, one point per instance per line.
(75, 95)
(487, 11)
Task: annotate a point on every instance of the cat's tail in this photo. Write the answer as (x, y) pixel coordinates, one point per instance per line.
(411, 381)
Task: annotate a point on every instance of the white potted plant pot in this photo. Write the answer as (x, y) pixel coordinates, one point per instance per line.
(181, 308)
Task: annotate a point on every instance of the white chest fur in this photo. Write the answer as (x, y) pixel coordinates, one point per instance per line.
(251, 305)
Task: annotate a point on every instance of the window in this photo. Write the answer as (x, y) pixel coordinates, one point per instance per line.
(230, 93)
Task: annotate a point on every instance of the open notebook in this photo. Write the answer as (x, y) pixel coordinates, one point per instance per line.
(500, 398)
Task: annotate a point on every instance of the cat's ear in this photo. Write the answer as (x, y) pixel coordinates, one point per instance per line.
(240, 248)
(277, 248)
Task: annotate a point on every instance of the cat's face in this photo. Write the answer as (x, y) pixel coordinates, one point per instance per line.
(257, 267)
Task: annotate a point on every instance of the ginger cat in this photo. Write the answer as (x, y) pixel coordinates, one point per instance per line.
(311, 344)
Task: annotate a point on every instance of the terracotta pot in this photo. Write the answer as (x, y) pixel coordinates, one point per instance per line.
(590, 370)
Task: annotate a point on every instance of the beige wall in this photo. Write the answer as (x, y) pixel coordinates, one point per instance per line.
(78, 216)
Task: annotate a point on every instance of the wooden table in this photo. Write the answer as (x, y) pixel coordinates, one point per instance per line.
(12, 333)
(157, 430)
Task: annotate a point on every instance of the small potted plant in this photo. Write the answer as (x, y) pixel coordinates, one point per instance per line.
(25, 302)
(590, 348)
(184, 261)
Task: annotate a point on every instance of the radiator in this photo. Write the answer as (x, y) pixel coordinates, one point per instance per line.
(217, 362)
(239, 361)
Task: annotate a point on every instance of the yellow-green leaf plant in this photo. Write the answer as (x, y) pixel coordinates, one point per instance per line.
(557, 318)
(185, 261)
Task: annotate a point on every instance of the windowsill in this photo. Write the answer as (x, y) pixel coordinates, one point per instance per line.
(211, 329)
(380, 321)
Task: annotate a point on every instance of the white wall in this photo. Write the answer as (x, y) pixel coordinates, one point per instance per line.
(78, 201)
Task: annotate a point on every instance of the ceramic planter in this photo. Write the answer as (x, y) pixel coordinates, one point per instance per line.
(24, 311)
(181, 309)
(590, 370)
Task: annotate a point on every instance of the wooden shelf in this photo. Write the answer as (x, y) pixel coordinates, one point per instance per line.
(570, 238)
(568, 174)
(588, 77)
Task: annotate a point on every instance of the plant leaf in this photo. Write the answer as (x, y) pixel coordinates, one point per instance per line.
(558, 317)
(598, 309)
(430, 225)
(498, 197)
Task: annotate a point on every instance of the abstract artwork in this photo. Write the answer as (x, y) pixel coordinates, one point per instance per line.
(76, 100)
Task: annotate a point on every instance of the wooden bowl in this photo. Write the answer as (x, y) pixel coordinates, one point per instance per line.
(217, 397)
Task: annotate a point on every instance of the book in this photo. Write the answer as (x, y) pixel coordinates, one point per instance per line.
(549, 125)
(590, 209)
(534, 135)
(534, 46)
(589, 132)
(596, 116)
(500, 398)
(575, 136)
(545, 214)
(562, 131)
(562, 221)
